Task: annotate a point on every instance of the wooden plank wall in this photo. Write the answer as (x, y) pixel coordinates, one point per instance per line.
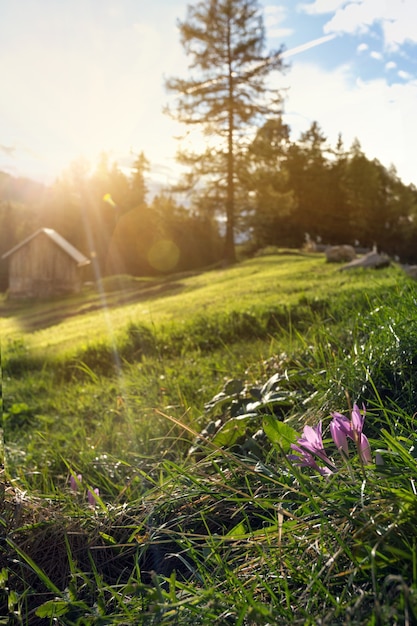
(41, 268)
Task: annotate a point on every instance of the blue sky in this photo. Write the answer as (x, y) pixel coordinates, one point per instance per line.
(80, 77)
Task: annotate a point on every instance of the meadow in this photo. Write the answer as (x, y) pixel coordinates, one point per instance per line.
(149, 474)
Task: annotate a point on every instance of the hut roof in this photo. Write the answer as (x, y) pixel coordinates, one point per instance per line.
(65, 245)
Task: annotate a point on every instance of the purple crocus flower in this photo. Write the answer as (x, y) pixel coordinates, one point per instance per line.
(91, 497)
(305, 459)
(75, 481)
(341, 428)
(358, 437)
(308, 446)
(312, 441)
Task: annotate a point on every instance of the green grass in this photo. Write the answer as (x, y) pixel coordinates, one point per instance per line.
(179, 405)
(271, 282)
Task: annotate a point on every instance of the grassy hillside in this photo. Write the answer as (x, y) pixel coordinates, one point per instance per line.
(271, 282)
(178, 400)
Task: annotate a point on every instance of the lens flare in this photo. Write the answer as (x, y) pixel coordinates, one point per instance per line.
(164, 255)
(107, 198)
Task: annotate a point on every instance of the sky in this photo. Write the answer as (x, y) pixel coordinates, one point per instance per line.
(83, 77)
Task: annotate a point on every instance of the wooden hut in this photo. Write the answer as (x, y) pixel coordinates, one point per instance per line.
(44, 264)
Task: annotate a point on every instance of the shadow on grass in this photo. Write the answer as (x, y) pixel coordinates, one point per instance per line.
(32, 315)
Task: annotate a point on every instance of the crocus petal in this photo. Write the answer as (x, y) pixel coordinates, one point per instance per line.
(357, 420)
(312, 439)
(313, 435)
(303, 457)
(338, 416)
(91, 497)
(364, 449)
(339, 435)
(306, 460)
(304, 444)
(325, 471)
(302, 461)
(343, 423)
(75, 481)
(312, 442)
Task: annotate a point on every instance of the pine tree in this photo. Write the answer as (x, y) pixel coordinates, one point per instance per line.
(227, 93)
(138, 186)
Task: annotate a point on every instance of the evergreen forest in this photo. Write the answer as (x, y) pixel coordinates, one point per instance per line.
(289, 192)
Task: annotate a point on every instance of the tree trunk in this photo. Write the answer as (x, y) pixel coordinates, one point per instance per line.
(229, 244)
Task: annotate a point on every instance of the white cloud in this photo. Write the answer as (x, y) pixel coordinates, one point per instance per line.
(396, 17)
(273, 17)
(362, 47)
(401, 24)
(404, 75)
(278, 13)
(391, 65)
(354, 18)
(379, 115)
(279, 33)
(376, 55)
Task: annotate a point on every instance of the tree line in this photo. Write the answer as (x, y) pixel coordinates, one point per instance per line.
(329, 194)
(285, 192)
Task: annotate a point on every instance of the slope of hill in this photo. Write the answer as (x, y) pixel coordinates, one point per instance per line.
(275, 283)
(150, 477)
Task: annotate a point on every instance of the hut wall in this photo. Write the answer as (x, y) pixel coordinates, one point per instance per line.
(41, 268)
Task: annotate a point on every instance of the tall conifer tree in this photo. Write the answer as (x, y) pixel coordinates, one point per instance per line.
(227, 92)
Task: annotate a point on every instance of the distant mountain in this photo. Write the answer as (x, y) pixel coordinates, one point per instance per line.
(20, 190)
